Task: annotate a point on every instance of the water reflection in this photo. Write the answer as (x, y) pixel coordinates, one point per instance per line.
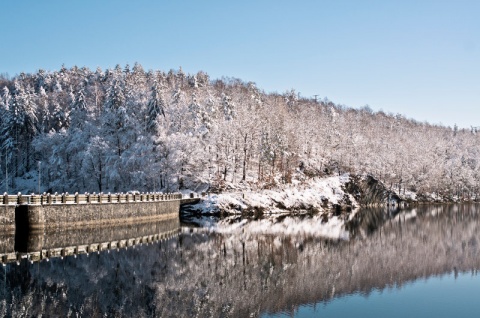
(38, 245)
(209, 274)
(443, 296)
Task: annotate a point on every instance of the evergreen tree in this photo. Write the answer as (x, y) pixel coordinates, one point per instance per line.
(60, 117)
(78, 109)
(156, 107)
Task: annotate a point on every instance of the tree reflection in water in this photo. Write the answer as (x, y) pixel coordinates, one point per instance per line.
(238, 275)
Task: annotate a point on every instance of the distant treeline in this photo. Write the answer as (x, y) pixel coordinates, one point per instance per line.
(127, 128)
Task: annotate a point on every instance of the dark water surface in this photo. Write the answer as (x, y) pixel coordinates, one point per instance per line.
(413, 263)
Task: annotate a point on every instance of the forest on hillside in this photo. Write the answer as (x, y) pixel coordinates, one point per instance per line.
(127, 129)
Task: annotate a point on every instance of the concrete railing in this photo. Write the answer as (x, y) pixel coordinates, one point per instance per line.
(87, 198)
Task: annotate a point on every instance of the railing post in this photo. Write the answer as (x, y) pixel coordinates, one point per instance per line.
(21, 199)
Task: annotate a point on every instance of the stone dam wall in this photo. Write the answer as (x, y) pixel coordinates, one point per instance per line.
(66, 216)
(7, 218)
(50, 212)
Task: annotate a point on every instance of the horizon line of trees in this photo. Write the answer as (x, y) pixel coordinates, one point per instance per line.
(129, 129)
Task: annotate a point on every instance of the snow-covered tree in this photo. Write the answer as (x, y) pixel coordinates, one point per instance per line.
(156, 107)
(175, 130)
(228, 107)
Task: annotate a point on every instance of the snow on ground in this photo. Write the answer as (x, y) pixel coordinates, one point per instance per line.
(409, 195)
(405, 195)
(318, 194)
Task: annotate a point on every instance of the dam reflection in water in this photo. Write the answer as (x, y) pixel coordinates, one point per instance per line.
(239, 274)
(38, 245)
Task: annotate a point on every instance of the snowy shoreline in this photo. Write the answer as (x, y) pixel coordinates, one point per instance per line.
(332, 195)
(318, 195)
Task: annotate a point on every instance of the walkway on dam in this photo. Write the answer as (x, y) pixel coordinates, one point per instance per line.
(66, 198)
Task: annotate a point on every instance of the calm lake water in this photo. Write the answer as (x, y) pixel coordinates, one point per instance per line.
(410, 263)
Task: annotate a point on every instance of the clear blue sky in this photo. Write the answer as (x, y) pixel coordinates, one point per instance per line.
(413, 57)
